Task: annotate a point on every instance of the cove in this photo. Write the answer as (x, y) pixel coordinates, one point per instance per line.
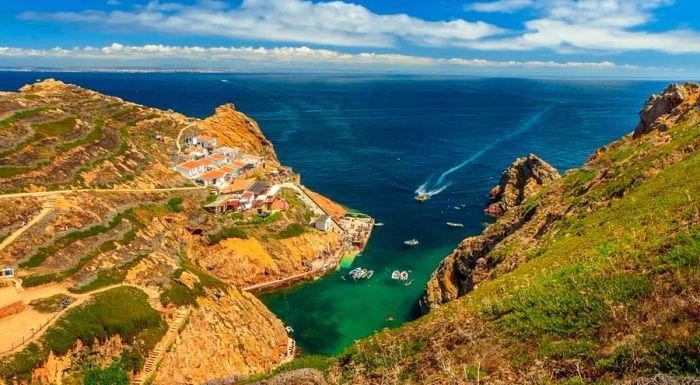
(369, 141)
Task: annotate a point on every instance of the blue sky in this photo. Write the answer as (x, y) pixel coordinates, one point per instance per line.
(635, 38)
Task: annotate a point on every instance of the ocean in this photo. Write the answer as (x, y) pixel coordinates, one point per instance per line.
(371, 141)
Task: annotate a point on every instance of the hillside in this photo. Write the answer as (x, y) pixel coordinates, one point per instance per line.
(93, 207)
(593, 277)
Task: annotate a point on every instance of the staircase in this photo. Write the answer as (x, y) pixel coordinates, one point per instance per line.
(151, 365)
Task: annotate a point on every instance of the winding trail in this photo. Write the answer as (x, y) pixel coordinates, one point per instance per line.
(101, 190)
(179, 135)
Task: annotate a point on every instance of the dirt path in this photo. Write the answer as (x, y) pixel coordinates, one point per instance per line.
(128, 190)
(179, 135)
(27, 326)
(48, 206)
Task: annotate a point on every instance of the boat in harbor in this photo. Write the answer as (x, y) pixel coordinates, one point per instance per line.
(422, 197)
(360, 273)
(453, 224)
(411, 242)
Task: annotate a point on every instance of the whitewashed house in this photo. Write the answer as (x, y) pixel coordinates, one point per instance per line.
(323, 223)
(191, 168)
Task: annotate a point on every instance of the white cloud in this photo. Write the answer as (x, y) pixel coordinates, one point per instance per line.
(223, 57)
(507, 6)
(590, 25)
(334, 23)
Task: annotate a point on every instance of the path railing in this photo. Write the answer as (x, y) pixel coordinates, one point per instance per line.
(29, 337)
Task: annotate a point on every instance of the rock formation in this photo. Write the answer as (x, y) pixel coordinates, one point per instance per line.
(658, 111)
(523, 179)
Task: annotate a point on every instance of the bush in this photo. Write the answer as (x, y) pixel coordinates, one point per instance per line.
(174, 204)
(111, 375)
(228, 232)
(292, 230)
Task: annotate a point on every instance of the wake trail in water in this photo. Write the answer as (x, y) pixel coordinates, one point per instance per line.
(430, 189)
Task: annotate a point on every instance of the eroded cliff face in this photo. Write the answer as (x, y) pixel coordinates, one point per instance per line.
(235, 129)
(523, 179)
(663, 110)
(467, 264)
(231, 334)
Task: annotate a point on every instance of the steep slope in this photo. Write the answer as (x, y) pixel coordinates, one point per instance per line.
(594, 279)
(115, 213)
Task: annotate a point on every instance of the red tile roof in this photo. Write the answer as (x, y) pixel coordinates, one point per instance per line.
(190, 164)
(213, 174)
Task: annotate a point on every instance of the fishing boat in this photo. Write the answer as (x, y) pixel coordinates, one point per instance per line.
(422, 197)
(379, 224)
(453, 224)
(369, 274)
(411, 242)
(395, 274)
(360, 273)
(403, 276)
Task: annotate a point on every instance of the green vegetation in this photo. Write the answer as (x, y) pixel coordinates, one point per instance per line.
(56, 128)
(308, 361)
(46, 251)
(111, 375)
(175, 204)
(48, 304)
(226, 232)
(178, 294)
(122, 311)
(109, 277)
(21, 115)
(292, 230)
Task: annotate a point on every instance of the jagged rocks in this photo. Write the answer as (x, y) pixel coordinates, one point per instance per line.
(523, 179)
(295, 377)
(658, 106)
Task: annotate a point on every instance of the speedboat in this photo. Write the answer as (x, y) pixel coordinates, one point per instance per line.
(403, 276)
(411, 242)
(369, 274)
(395, 274)
(453, 224)
(422, 197)
(379, 224)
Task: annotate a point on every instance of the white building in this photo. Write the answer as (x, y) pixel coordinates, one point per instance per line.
(191, 168)
(323, 223)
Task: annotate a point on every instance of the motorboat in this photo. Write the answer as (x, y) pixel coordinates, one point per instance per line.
(379, 224)
(453, 224)
(411, 242)
(422, 197)
(395, 274)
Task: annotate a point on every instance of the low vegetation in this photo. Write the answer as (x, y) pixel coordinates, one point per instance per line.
(292, 230)
(122, 311)
(227, 232)
(49, 304)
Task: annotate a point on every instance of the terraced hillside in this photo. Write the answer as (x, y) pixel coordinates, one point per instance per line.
(92, 210)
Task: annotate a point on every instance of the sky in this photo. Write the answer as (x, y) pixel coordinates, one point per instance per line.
(612, 38)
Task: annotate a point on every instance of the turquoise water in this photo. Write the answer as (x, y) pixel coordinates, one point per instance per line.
(370, 142)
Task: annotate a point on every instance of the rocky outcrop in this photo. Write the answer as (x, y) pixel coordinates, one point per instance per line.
(523, 179)
(230, 334)
(658, 111)
(234, 128)
(467, 264)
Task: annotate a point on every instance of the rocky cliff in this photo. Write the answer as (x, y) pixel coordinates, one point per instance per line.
(469, 263)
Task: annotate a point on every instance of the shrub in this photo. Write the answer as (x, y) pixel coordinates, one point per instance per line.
(227, 232)
(292, 230)
(111, 375)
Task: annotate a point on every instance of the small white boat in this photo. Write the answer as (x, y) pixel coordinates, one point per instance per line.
(453, 224)
(422, 197)
(404, 276)
(289, 329)
(369, 274)
(411, 242)
(456, 207)
(395, 274)
(379, 224)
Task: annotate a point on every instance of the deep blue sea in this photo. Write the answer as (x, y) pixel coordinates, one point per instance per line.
(370, 142)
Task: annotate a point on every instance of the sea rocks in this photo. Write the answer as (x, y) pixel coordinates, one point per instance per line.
(658, 106)
(523, 179)
(295, 377)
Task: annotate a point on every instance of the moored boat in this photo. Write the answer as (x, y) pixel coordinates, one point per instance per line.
(453, 224)
(411, 242)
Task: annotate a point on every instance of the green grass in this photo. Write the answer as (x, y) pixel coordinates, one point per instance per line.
(175, 204)
(292, 230)
(122, 311)
(308, 361)
(21, 115)
(227, 232)
(55, 128)
(108, 277)
(178, 294)
(61, 243)
(48, 304)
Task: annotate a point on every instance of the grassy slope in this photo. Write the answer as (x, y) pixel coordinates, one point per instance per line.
(612, 290)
